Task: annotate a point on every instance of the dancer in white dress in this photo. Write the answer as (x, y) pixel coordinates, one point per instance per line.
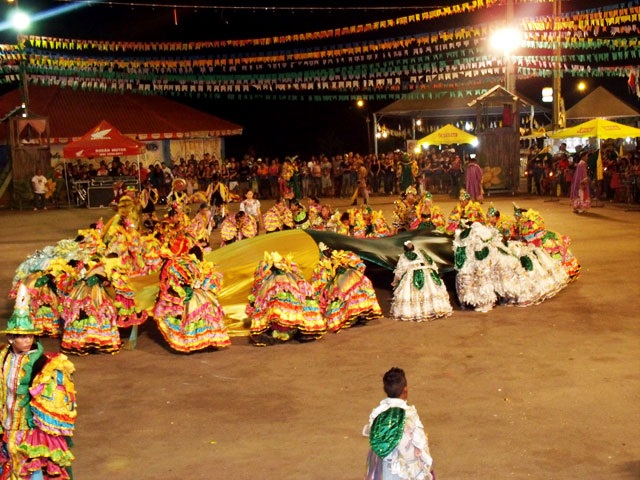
(472, 248)
(490, 271)
(419, 292)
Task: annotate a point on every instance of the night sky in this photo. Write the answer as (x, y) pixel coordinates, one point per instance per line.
(273, 127)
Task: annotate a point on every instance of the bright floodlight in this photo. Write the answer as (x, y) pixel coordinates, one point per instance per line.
(20, 20)
(505, 40)
(474, 142)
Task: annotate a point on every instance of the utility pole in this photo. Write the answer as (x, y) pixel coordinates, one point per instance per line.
(510, 68)
(24, 79)
(557, 66)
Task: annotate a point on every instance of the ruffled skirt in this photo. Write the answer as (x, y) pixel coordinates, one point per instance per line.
(89, 322)
(474, 285)
(282, 305)
(429, 302)
(349, 298)
(193, 326)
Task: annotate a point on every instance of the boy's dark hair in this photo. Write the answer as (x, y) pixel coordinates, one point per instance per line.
(394, 382)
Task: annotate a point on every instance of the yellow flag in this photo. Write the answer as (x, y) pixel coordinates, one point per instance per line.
(599, 167)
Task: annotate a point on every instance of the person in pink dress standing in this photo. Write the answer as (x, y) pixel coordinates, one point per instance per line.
(580, 195)
(473, 181)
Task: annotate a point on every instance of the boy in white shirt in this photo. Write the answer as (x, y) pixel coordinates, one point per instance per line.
(399, 446)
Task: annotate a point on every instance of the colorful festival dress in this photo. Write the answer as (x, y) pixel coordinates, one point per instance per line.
(532, 230)
(514, 279)
(428, 215)
(281, 305)
(187, 311)
(370, 224)
(345, 294)
(466, 211)
(278, 218)
(89, 315)
(38, 414)
(405, 211)
(44, 302)
(200, 228)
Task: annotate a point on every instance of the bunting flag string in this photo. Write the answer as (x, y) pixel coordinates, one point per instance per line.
(124, 47)
(452, 53)
(382, 69)
(413, 59)
(433, 43)
(597, 42)
(398, 82)
(592, 21)
(245, 92)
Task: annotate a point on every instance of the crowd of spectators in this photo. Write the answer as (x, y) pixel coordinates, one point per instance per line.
(436, 171)
(321, 176)
(550, 174)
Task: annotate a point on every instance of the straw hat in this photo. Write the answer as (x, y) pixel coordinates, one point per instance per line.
(179, 184)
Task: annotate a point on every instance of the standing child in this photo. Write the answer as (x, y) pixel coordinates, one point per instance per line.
(399, 446)
(251, 207)
(37, 402)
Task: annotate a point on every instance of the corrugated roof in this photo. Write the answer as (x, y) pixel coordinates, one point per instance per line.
(73, 112)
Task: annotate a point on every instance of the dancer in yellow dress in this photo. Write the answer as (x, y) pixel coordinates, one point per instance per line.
(281, 305)
(346, 295)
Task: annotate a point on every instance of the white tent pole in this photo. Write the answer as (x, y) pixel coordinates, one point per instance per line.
(66, 181)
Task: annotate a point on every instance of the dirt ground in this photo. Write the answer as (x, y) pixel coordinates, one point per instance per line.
(550, 391)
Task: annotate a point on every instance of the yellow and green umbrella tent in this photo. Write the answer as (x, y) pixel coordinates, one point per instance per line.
(448, 135)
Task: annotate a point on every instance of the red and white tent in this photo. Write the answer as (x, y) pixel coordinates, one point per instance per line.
(103, 140)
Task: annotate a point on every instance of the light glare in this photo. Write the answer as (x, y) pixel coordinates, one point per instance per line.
(20, 20)
(505, 40)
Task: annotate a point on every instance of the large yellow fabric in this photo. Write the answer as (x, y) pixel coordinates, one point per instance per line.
(237, 263)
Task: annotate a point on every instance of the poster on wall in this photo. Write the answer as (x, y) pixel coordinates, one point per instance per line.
(153, 154)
